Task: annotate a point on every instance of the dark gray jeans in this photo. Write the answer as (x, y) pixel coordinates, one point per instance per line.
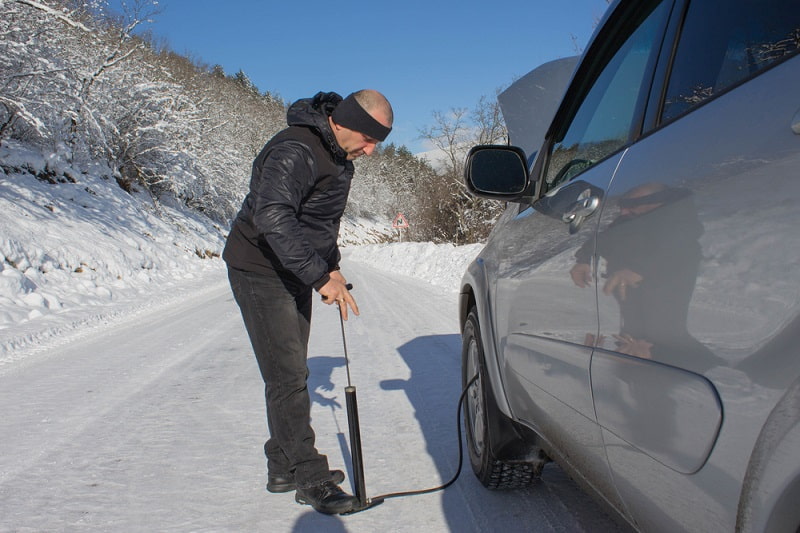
(277, 316)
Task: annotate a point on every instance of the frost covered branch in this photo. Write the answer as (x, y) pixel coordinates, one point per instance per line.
(54, 13)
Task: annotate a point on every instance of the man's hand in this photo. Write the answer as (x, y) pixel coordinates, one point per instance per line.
(620, 281)
(635, 347)
(581, 274)
(335, 291)
(337, 274)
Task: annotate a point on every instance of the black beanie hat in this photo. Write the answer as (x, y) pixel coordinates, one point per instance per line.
(351, 115)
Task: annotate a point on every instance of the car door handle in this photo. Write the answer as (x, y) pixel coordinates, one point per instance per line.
(584, 206)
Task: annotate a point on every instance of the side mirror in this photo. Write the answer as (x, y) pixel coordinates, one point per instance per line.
(496, 171)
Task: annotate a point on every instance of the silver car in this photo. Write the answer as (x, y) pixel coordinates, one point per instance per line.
(634, 315)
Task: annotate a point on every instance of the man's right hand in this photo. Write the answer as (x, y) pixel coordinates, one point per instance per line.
(335, 291)
(620, 281)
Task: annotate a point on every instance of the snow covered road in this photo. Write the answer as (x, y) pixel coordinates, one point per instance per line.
(156, 423)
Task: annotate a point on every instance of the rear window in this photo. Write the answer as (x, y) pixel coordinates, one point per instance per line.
(723, 44)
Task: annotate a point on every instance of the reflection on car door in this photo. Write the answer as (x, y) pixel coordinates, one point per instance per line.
(682, 296)
(546, 325)
(545, 309)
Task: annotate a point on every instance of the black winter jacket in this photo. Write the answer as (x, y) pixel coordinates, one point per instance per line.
(289, 221)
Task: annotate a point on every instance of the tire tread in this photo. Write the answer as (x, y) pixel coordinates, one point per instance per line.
(508, 476)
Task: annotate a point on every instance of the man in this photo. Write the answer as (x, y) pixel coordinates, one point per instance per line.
(653, 254)
(283, 246)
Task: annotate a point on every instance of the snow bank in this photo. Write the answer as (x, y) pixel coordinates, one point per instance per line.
(438, 264)
(76, 249)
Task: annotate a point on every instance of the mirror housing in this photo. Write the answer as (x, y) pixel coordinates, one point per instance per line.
(498, 172)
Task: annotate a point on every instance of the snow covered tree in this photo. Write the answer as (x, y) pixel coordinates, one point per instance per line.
(458, 216)
(387, 182)
(86, 86)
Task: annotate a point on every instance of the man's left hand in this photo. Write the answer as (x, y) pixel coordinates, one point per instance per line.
(620, 281)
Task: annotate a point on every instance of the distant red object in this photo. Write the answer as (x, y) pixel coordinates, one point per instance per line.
(400, 221)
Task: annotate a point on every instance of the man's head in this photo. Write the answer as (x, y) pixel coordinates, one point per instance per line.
(361, 121)
(642, 199)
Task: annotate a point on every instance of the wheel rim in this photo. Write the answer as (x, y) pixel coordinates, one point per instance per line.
(475, 407)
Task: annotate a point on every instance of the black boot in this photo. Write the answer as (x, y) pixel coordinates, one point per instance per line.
(326, 498)
(285, 483)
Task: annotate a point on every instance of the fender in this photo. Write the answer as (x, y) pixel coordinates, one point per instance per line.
(771, 487)
(474, 285)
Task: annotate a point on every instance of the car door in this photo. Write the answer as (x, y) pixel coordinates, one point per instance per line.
(698, 223)
(546, 323)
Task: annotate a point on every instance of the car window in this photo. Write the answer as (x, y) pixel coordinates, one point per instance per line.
(746, 37)
(606, 110)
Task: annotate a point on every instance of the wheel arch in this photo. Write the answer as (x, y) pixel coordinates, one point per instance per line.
(475, 294)
(506, 441)
(771, 487)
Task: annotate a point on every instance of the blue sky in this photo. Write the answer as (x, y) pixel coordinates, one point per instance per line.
(424, 56)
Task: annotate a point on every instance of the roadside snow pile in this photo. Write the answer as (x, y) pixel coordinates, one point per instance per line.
(438, 264)
(75, 247)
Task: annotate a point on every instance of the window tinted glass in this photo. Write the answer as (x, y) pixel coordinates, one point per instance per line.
(724, 45)
(604, 119)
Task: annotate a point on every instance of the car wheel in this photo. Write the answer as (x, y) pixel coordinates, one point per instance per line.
(492, 472)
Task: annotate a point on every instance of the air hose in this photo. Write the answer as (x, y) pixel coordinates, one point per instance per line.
(355, 442)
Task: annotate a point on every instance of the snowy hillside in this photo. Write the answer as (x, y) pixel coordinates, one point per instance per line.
(77, 250)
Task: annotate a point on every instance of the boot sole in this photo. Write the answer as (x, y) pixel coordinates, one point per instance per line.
(337, 476)
(346, 506)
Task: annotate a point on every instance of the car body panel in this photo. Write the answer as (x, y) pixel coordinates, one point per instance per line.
(772, 484)
(669, 385)
(530, 341)
(726, 151)
(474, 282)
(671, 415)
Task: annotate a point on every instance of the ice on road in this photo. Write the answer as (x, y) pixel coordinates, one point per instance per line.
(155, 422)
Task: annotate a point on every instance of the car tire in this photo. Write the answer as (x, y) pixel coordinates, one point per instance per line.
(490, 470)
